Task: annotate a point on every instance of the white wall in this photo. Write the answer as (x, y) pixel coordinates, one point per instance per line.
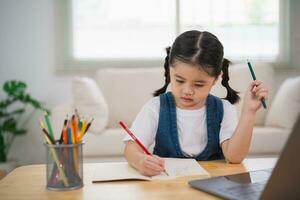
(27, 52)
(27, 36)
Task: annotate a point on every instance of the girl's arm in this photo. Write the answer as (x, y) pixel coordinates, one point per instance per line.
(236, 148)
(145, 164)
(145, 124)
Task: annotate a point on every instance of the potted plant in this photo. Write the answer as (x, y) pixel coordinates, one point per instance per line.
(12, 108)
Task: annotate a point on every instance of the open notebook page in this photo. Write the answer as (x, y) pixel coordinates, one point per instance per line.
(116, 171)
(123, 171)
(181, 167)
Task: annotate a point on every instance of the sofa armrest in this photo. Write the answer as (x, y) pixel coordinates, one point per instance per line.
(268, 140)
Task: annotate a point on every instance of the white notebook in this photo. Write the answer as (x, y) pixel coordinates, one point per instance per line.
(123, 171)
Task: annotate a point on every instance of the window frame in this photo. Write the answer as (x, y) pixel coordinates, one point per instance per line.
(65, 62)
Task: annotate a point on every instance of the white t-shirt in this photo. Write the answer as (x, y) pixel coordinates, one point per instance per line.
(191, 124)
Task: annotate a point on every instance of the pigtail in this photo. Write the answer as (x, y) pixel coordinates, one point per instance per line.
(232, 95)
(167, 75)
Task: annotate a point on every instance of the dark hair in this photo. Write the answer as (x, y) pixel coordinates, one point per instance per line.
(201, 49)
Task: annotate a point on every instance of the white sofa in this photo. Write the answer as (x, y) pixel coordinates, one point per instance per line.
(123, 91)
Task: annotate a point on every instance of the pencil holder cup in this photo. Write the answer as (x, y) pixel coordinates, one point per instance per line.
(64, 170)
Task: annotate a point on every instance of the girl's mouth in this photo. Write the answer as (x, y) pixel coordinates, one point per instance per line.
(186, 99)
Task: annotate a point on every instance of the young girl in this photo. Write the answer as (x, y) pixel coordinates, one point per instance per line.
(188, 122)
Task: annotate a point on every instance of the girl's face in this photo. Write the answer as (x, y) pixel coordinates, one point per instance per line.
(190, 85)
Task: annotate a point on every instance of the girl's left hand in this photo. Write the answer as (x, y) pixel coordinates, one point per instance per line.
(256, 91)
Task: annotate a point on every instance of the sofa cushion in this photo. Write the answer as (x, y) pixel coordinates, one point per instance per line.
(127, 90)
(285, 107)
(90, 102)
(108, 143)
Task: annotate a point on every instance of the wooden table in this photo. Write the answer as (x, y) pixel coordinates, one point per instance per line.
(2, 174)
(29, 182)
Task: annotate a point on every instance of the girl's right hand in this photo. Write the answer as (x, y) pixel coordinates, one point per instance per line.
(256, 91)
(151, 165)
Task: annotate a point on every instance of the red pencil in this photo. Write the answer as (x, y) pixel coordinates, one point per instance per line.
(123, 125)
(134, 138)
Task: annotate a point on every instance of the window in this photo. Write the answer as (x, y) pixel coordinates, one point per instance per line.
(246, 28)
(136, 32)
(131, 29)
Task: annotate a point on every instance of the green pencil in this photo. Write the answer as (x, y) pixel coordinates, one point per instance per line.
(263, 102)
(49, 126)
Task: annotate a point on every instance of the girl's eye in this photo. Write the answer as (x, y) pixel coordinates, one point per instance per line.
(198, 85)
(179, 81)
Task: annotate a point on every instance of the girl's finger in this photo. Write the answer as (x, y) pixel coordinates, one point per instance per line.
(259, 87)
(154, 167)
(256, 83)
(262, 95)
(157, 160)
(149, 172)
(260, 91)
(253, 89)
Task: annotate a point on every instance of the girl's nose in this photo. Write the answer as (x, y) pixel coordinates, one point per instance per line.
(187, 90)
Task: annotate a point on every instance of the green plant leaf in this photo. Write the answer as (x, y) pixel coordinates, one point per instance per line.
(14, 88)
(20, 132)
(15, 112)
(6, 102)
(2, 114)
(16, 92)
(35, 104)
(9, 125)
(2, 149)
